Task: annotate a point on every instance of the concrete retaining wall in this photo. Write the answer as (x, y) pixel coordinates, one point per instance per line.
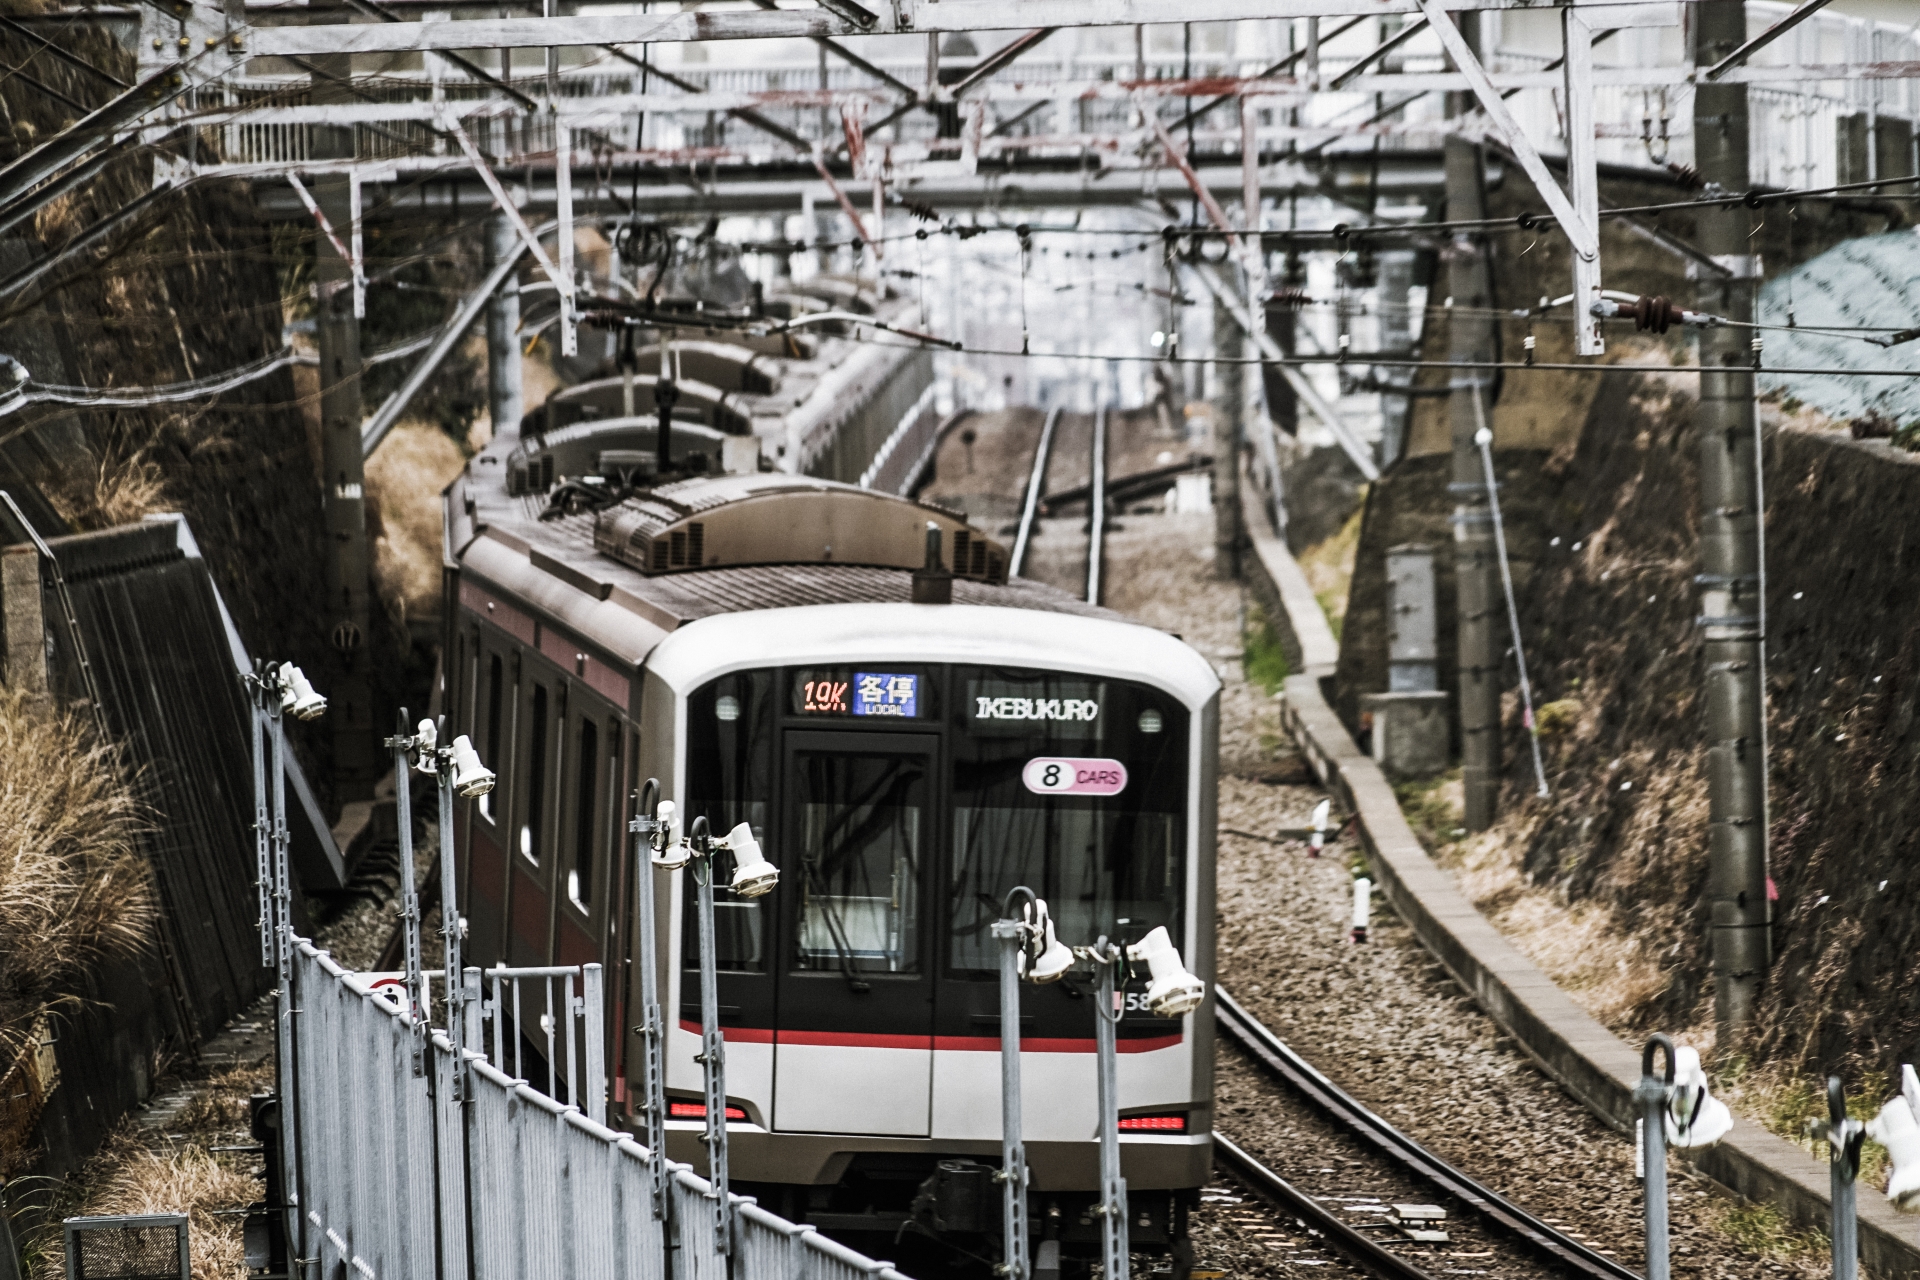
(1587, 1060)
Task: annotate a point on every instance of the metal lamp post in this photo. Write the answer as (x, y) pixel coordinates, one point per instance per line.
(1110, 960)
(1843, 1136)
(404, 745)
(1015, 937)
(713, 1046)
(276, 690)
(1651, 1094)
(653, 835)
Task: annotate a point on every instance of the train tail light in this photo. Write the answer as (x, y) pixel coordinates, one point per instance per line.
(1173, 991)
(698, 1111)
(1172, 1122)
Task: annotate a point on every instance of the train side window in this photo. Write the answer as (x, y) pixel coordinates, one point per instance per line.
(495, 680)
(534, 808)
(586, 766)
(730, 735)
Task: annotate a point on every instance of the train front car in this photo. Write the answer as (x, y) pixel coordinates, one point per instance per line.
(750, 641)
(906, 766)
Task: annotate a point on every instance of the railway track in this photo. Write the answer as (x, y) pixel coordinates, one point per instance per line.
(1385, 1154)
(1093, 493)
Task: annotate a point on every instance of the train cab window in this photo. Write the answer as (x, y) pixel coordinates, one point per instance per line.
(533, 806)
(493, 693)
(586, 765)
(730, 741)
(1072, 786)
(862, 820)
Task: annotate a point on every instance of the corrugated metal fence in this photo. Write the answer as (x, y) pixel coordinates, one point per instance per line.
(464, 1171)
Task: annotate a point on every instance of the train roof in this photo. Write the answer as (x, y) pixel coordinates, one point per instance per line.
(765, 541)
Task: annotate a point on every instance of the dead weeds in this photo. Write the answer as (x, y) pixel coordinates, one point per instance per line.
(404, 478)
(75, 888)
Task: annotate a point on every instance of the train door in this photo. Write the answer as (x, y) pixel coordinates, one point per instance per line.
(483, 896)
(854, 1052)
(532, 854)
(590, 791)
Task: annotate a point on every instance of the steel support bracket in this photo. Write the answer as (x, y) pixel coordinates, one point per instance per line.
(1582, 232)
(562, 281)
(846, 205)
(1270, 350)
(349, 253)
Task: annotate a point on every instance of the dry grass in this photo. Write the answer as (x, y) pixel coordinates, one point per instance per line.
(119, 491)
(404, 479)
(74, 886)
(127, 1178)
(1329, 568)
(1608, 969)
(1610, 972)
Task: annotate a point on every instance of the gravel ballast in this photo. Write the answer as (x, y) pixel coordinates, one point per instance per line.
(1383, 1019)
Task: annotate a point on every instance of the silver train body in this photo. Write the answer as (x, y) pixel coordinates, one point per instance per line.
(749, 642)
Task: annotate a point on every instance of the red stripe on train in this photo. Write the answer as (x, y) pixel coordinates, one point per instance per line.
(977, 1044)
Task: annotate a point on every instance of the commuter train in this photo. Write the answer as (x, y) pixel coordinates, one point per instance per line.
(750, 640)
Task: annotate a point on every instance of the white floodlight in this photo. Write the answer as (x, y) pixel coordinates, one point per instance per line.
(1055, 957)
(1173, 991)
(298, 697)
(1695, 1118)
(753, 875)
(471, 778)
(1897, 1128)
(672, 852)
(425, 738)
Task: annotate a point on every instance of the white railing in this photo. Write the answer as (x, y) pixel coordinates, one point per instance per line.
(465, 1171)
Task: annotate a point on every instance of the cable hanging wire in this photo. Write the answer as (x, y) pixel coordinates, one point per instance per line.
(1484, 438)
(31, 392)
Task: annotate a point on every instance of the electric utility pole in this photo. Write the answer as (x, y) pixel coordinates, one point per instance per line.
(1470, 342)
(356, 755)
(1731, 609)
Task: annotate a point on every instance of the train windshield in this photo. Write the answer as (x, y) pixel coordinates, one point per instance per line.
(1074, 787)
(891, 799)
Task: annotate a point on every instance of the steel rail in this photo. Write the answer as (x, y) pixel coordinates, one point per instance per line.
(1368, 1254)
(1035, 480)
(1277, 1059)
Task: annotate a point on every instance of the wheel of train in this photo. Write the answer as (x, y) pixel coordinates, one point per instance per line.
(752, 642)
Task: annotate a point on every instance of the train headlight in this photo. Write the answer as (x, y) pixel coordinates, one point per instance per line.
(298, 697)
(1897, 1128)
(470, 777)
(1055, 957)
(1173, 991)
(753, 875)
(1695, 1118)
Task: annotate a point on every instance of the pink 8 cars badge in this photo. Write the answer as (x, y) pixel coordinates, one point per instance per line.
(1068, 776)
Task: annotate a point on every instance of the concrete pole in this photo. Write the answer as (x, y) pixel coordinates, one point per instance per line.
(1730, 531)
(25, 621)
(1470, 335)
(1229, 405)
(356, 745)
(506, 398)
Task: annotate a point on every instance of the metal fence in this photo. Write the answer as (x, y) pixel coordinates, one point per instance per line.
(466, 1171)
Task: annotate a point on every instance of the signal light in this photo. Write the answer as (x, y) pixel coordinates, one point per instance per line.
(1175, 1123)
(698, 1111)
